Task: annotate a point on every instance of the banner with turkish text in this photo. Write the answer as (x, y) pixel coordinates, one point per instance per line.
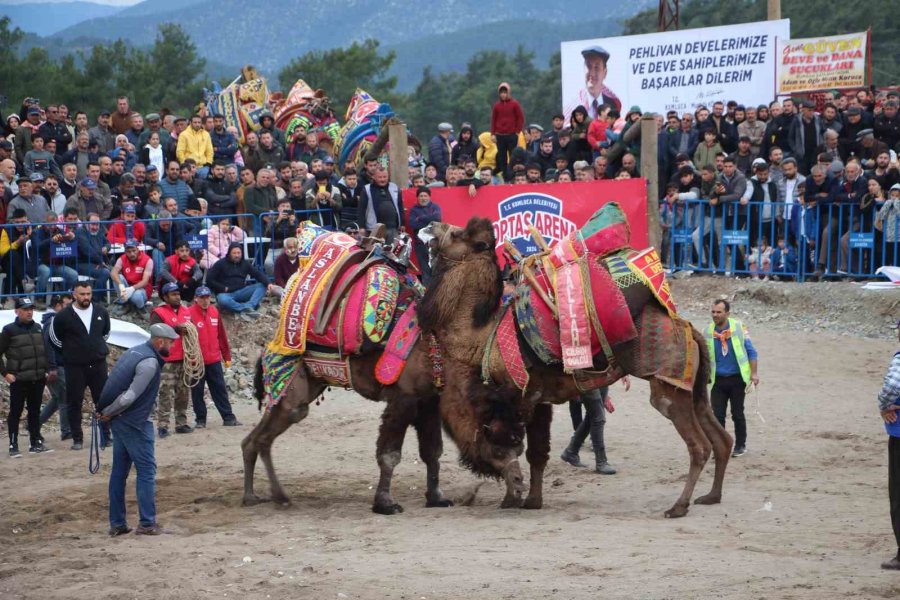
(824, 63)
(555, 209)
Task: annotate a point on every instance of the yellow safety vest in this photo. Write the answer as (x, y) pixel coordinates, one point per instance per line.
(737, 343)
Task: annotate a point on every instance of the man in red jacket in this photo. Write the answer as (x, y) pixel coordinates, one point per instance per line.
(174, 314)
(182, 270)
(215, 349)
(126, 228)
(507, 120)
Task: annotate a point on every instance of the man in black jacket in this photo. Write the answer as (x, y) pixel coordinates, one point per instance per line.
(25, 369)
(218, 192)
(228, 279)
(80, 331)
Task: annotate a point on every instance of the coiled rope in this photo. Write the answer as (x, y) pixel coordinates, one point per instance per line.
(194, 369)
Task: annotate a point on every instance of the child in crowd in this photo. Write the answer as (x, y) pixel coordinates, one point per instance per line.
(760, 259)
(784, 259)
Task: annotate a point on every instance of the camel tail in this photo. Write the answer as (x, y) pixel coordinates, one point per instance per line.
(258, 388)
(701, 381)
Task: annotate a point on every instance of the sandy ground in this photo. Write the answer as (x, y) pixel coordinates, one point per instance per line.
(819, 459)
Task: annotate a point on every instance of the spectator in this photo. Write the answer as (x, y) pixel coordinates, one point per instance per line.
(127, 403)
(173, 186)
(173, 389)
(853, 125)
(93, 252)
(154, 125)
(28, 128)
(219, 239)
(267, 125)
(181, 270)
(705, 154)
(486, 155)
(55, 198)
(684, 140)
(829, 146)
(286, 264)
(471, 180)
(218, 192)
(56, 373)
(225, 146)
(270, 152)
(56, 254)
(788, 216)
(868, 148)
(421, 215)
(760, 259)
(127, 228)
(79, 331)
(102, 135)
(350, 193)
(887, 223)
(784, 259)
(753, 129)
(466, 146)
(381, 202)
(121, 119)
(228, 279)
(87, 200)
(743, 158)
(195, 143)
(830, 119)
(805, 135)
(25, 369)
(440, 149)
(579, 123)
(54, 128)
(154, 152)
(34, 205)
(736, 360)
(19, 261)
(38, 160)
(132, 275)
(133, 135)
(729, 190)
(261, 198)
(215, 349)
(761, 193)
(845, 191)
(887, 125)
(323, 197)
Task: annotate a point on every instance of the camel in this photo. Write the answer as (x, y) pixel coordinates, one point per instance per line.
(465, 261)
(411, 400)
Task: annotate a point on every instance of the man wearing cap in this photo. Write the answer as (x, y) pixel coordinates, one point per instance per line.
(25, 370)
(507, 120)
(34, 205)
(24, 131)
(123, 195)
(93, 253)
(887, 125)
(126, 403)
(440, 149)
(868, 148)
(805, 135)
(215, 349)
(889, 407)
(80, 331)
(154, 125)
(102, 134)
(853, 124)
(533, 136)
(595, 94)
(86, 200)
(126, 227)
(173, 389)
(132, 275)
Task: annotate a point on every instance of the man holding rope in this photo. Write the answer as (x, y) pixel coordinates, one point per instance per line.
(175, 315)
(735, 361)
(126, 403)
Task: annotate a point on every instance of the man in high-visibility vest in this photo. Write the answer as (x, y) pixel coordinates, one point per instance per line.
(735, 361)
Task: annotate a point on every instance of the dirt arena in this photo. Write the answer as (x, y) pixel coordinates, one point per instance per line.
(805, 512)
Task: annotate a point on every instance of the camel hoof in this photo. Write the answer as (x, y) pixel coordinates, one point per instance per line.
(389, 509)
(253, 500)
(511, 503)
(533, 503)
(709, 499)
(676, 511)
(438, 503)
(282, 502)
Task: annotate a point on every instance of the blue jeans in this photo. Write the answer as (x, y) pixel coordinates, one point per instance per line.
(100, 274)
(138, 298)
(44, 272)
(214, 378)
(245, 299)
(132, 446)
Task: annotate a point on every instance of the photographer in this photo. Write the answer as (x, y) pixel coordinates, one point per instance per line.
(326, 198)
(283, 226)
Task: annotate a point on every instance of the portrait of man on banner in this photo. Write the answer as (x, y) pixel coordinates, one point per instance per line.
(595, 93)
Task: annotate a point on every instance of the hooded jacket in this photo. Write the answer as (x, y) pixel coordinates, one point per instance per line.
(486, 155)
(229, 276)
(507, 117)
(464, 149)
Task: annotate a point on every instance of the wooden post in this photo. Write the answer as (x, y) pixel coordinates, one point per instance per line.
(399, 154)
(650, 172)
(774, 10)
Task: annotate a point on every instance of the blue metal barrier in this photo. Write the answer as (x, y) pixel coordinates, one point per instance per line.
(39, 259)
(828, 240)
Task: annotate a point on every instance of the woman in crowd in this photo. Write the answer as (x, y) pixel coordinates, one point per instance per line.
(218, 240)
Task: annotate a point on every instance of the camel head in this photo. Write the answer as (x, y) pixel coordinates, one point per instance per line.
(465, 274)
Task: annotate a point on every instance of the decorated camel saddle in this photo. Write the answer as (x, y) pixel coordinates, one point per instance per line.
(576, 301)
(346, 298)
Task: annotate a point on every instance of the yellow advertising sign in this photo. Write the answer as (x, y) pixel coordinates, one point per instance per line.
(825, 63)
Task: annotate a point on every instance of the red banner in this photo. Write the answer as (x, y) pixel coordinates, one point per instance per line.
(555, 209)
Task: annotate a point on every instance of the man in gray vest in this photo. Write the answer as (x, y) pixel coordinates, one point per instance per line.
(127, 401)
(382, 202)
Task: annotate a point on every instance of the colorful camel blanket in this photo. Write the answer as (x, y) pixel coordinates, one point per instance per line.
(279, 371)
(305, 287)
(399, 346)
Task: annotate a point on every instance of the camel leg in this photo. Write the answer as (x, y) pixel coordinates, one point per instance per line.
(283, 419)
(395, 420)
(250, 452)
(677, 405)
(721, 446)
(431, 447)
(538, 453)
(515, 483)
